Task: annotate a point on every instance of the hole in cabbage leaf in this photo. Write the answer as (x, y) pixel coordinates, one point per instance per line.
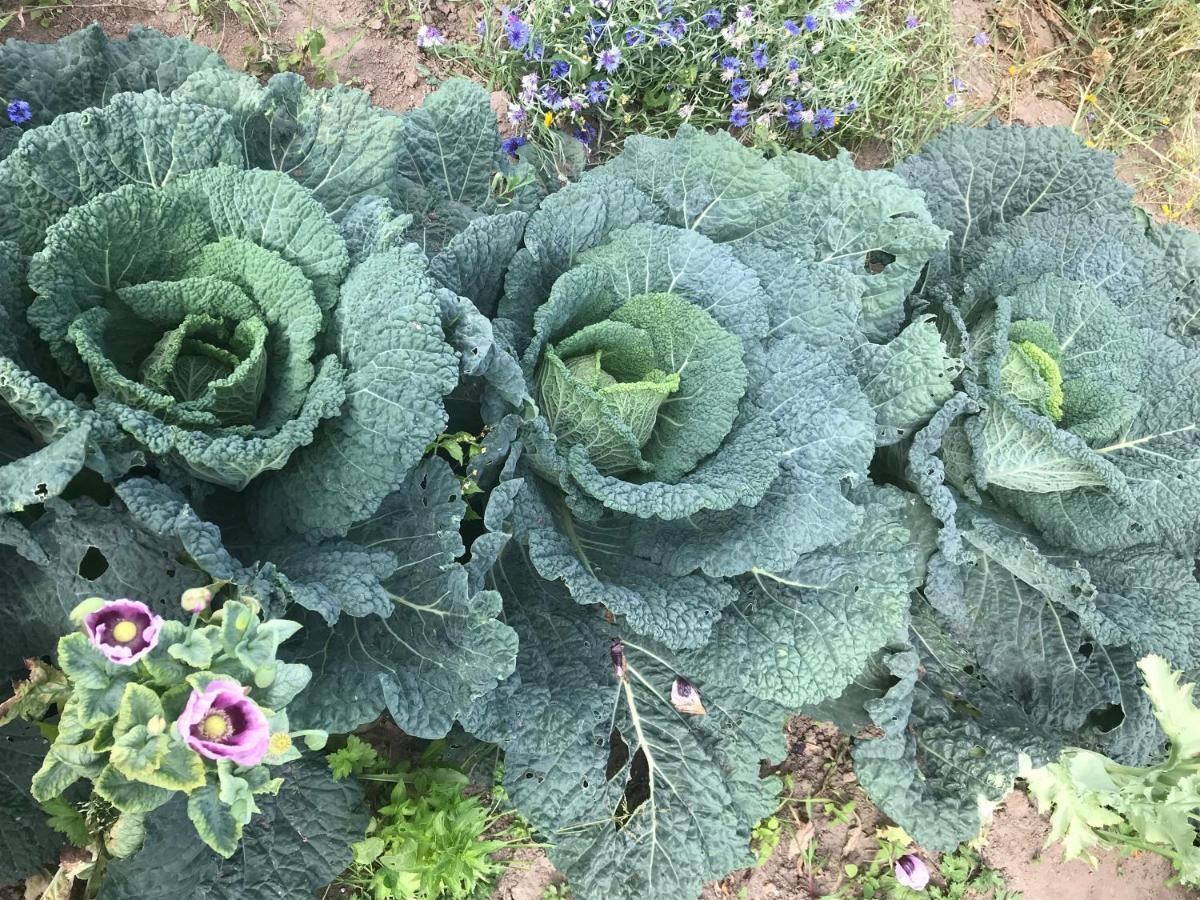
(93, 564)
(1106, 718)
(1085, 650)
(618, 754)
(637, 790)
(41, 490)
(878, 260)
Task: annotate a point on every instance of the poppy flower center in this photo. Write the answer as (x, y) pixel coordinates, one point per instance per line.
(124, 631)
(215, 726)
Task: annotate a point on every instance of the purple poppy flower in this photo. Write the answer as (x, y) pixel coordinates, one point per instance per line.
(517, 33)
(810, 22)
(739, 89)
(712, 19)
(560, 68)
(610, 59)
(791, 27)
(759, 56)
(912, 22)
(634, 36)
(597, 92)
(123, 630)
(739, 116)
(823, 119)
(512, 145)
(911, 872)
(981, 39)
(221, 722)
(19, 112)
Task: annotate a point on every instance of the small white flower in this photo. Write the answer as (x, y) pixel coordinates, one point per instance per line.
(745, 15)
(685, 111)
(807, 115)
(793, 79)
(817, 47)
(738, 41)
(764, 120)
(762, 87)
(728, 74)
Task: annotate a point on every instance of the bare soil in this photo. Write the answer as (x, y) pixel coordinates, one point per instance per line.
(382, 59)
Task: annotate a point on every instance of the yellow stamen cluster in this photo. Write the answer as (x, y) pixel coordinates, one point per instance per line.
(214, 727)
(281, 742)
(124, 631)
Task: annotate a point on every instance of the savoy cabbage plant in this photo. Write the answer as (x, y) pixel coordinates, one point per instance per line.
(1064, 472)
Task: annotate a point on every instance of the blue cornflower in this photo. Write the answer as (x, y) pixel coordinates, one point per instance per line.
(634, 36)
(795, 113)
(560, 68)
(678, 27)
(843, 9)
(481, 28)
(850, 107)
(585, 133)
(793, 65)
(595, 30)
(951, 101)
(517, 33)
(739, 89)
(981, 39)
(712, 18)
(759, 56)
(810, 22)
(512, 145)
(596, 92)
(730, 63)
(19, 112)
(610, 59)
(912, 22)
(823, 118)
(739, 116)
(791, 27)
(552, 97)
(536, 50)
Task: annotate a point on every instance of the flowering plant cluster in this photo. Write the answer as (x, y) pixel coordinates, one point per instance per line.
(774, 75)
(152, 707)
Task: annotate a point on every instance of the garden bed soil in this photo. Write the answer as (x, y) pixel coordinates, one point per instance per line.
(384, 61)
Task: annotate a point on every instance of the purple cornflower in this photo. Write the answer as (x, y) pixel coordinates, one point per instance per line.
(221, 722)
(481, 28)
(19, 112)
(739, 117)
(791, 27)
(517, 33)
(981, 39)
(911, 872)
(678, 27)
(739, 89)
(585, 133)
(610, 59)
(429, 36)
(634, 36)
(662, 31)
(850, 107)
(951, 101)
(712, 19)
(759, 56)
(843, 9)
(512, 145)
(516, 114)
(823, 119)
(912, 22)
(123, 630)
(597, 92)
(745, 14)
(957, 83)
(560, 68)
(810, 23)
(552, 97)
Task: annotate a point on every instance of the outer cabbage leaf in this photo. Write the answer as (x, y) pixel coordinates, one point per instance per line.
(26, 838)
(299, 842)
(436, 647)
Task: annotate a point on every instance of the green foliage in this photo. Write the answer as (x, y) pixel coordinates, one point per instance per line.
(1097, 803)
(428, 837)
